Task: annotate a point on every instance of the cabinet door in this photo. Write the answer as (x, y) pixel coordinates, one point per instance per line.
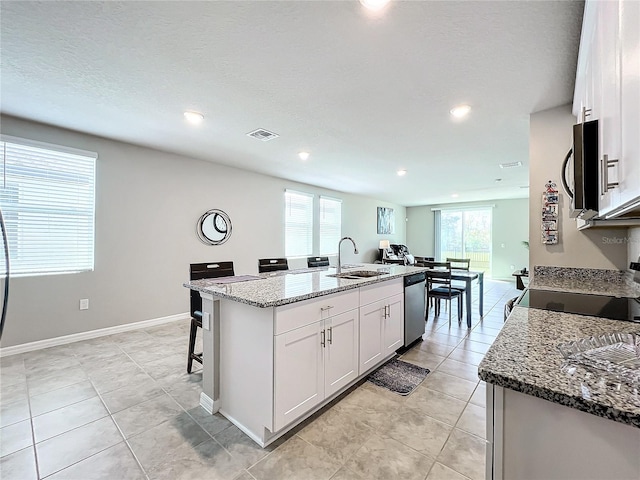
(341, 352)
(630, 100)
(370, 335)
(298, 373)
(393, 324)
(608, 99)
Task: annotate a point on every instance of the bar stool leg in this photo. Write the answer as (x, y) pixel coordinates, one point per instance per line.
(192, 343)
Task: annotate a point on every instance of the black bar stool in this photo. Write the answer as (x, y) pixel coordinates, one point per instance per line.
(198, 271)
(317, 262)
(272, 264)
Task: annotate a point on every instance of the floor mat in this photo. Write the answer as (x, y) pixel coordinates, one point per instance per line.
(398, 376)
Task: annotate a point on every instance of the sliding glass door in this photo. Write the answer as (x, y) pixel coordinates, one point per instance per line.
(465, 233)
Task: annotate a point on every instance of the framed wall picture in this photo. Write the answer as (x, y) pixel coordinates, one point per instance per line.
(386, 221)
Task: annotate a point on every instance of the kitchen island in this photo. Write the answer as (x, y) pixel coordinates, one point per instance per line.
(280, 347)
(552, 419)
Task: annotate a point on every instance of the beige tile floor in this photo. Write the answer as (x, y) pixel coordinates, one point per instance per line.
(122, 407)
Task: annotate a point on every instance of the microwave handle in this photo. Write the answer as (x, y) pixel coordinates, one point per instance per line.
(563, 177)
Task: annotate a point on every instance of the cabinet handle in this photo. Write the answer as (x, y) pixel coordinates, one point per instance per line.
(324, 309)
(386, 311)
(322, 338)
(606, 164)
(330, 338)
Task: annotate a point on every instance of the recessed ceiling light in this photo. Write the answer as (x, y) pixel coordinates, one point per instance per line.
(374, 5)
(402, 172)
(303, 155)
(195, 118)
(454, 195)
(460, 111)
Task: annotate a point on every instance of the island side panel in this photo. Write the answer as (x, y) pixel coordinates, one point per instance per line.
(246, 367)
(543, 439)
(210, 398)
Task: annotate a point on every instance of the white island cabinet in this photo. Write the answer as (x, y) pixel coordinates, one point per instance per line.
(278, 349)
(381, 322)
(314, 361)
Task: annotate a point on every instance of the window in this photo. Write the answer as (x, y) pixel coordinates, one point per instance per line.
(465, 233)
(47, 196)
(311, 228)
(298, 224)
(330, 225)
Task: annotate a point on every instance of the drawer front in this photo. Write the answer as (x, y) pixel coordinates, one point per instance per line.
(373, 293)
(299, 314)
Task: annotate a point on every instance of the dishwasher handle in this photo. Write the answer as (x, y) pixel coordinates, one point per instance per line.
(414, 278)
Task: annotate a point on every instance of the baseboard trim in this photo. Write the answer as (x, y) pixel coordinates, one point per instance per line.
(101, 332)
(207, 403)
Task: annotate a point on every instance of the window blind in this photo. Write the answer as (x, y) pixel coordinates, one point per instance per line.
(47, 196)
(298, 224)
(330, 225)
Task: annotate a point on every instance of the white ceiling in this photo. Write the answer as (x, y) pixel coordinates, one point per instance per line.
(365, 94)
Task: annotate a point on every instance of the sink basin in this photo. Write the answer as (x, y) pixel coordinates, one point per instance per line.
(359, 274)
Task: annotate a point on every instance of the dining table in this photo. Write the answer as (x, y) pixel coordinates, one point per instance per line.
(468, 276)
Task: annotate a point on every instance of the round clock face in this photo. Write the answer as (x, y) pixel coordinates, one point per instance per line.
(214, 227)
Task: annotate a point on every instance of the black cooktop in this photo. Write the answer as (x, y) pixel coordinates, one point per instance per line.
(615, 308)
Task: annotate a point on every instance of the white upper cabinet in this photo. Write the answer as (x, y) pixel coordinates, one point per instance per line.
(607, 98)
(608, 84)
(630, 101)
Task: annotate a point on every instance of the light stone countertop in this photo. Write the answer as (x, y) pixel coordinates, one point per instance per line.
(585, 280)
(290, 286)
(525, 357)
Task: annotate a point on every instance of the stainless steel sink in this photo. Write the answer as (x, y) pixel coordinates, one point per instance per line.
(357, 274)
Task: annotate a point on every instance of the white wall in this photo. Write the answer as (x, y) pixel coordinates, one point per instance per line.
(147, 205)
(421, 231)
(633, 245)
(549, 140)
(509, 228)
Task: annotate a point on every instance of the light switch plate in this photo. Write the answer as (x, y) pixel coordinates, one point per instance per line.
(206, 322)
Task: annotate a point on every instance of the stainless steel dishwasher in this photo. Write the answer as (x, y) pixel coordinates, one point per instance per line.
(413, 307)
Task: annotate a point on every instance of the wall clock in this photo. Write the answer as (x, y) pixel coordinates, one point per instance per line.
(214, 227)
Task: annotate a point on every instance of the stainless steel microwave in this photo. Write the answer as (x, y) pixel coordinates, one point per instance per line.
(582, 187)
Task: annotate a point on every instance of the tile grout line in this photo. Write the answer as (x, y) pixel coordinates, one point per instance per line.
(33, 434)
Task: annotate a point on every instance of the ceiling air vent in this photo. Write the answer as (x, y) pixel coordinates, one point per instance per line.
(511, 165)
(262, 134)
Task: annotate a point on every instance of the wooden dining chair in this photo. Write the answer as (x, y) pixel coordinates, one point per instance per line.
(420, 260)
(459, 264)
(439, 287)
(198, 271)
(317, 262)
(272, 264)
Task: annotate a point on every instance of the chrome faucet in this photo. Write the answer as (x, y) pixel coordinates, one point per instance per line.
(355, 250)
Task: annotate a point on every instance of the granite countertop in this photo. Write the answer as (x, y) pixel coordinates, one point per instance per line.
(525, 357)
(284, 287)
(585, 280)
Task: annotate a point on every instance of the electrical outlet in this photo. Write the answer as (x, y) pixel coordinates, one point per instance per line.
(206, 324)
(84, 304)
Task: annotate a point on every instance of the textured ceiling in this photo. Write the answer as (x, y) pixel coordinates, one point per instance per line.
(365, 94)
